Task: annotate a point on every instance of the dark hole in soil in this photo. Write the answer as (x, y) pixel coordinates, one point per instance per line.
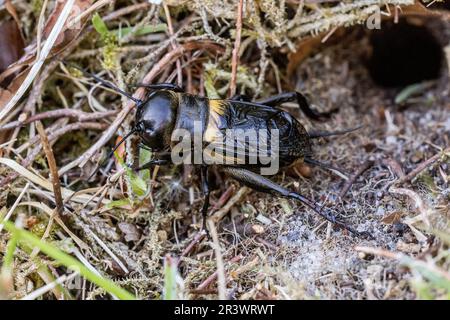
(404, 54)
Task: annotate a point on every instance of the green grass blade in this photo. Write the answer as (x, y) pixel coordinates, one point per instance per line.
(68, 261)
(138, 185)
(100, 25)
(170, 282)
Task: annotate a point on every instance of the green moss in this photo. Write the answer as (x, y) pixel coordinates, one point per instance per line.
(39, 229)
(110, 51)
(427, 180)
(110, 43)
(36, 6)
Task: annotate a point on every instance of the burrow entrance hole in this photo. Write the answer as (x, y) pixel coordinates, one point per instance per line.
(404, 53)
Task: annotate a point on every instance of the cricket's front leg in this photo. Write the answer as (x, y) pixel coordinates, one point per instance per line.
(206, 193)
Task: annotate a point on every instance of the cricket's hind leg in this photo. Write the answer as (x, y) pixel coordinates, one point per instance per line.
(260, 183)
(302, 102)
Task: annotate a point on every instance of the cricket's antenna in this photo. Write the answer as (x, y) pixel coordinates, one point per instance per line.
(320, 134)
(329, 217)
(113, 150)
(121, 141)
(325, 165)
(103, 82)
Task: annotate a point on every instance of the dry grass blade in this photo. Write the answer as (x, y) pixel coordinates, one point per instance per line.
(66, 193)
(50, 213)
(174, 45)
(53, 169)
(40, 60)
(237, 46)
(48, 287)
(14, 206)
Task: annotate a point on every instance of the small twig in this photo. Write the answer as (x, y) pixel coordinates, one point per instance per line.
(268, 244)
(198, 237)
(223, 199)
(237, 45)
(219, 214)
(61, 113)
(366, 165)
(173, 43)
(205, 284)
(126, 10)
(55, 135)
(422, 166)
(60, 132)
(56, 186)
(221, 280)
(378, 252)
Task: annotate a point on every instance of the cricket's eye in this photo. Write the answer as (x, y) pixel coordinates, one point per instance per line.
(139, 127)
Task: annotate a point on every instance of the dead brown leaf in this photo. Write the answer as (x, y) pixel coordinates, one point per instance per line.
(307, 47)
(5, 95)
(11, 40)
(418, 9)
(392, 217)
(130, 231)
(11, 44)
(12, 11)
(69, 34)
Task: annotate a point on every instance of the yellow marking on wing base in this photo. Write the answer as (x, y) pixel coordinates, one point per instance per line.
(215, 137)
(217, 106)
(216, 110)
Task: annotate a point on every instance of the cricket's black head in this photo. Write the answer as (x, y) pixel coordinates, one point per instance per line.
(155, 119)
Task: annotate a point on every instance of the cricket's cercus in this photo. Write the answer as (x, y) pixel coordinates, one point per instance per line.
(247, 140)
